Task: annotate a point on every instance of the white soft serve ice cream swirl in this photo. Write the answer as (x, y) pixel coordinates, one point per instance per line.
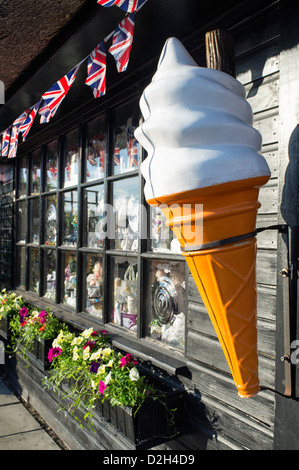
(197, 128)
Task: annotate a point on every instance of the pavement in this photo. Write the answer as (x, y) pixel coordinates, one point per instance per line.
(21, 428)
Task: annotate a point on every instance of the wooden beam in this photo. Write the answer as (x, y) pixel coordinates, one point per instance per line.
(220, 51)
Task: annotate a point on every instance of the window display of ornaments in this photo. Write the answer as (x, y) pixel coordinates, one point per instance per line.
(51, 224)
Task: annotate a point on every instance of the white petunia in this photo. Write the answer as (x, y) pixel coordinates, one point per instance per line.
(134, 374)
(87, 333)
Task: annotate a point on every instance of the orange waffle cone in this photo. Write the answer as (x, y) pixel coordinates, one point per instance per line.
(225, 275)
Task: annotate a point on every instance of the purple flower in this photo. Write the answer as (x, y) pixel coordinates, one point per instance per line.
(54, 352)
(94, 366)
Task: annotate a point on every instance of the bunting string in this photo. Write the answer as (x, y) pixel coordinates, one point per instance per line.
(47, 106)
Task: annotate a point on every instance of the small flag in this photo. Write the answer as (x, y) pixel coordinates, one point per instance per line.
(127, 5)
(13, 144)
(116, 156)
(26, 125)
(122, 42)
(44, 112)
(5, 142)
(96, 70)
(19, 121)
(54, 96)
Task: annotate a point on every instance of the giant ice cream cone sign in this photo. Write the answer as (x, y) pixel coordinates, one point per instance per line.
(204, 170)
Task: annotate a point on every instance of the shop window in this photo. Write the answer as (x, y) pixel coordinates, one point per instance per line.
(94, 233)
(49, 288)
(96, 149)
(165, 313)
(91, 242)
(94, 286)
(125, 293)
(23, 177)
(34, 274)
(126, 207)
(127, 151)
(69, 263)
(35, 173)
(21, 264)
(70, 218)
(51, 220)
(52, 166)
(34, 225)
(71, 159)
(22, 221)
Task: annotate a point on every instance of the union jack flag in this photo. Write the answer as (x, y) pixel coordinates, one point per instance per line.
(19, 121)
(127, 5)
(122, 42)
(13, 144)
(5, 142)
(54, 96)
(116, 156)
(27, 123)
(96, 70)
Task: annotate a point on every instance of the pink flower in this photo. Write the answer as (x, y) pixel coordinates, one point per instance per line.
(54, 352)
(42, 316)
(102, 387)
(123, 362)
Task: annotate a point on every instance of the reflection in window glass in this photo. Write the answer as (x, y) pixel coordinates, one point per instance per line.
(21, 260)
(127, 150)
(70, 225)
(51, 219)
(50, 274)
(36, 174)
(126, 207)
(94, 286)
(162, 237)
(23, 175)
(34, 269)
(125, 306)
(22, 216)
(71, 159)
(94, 199)
(166, 302)
(52, 166)
(70, 279)
(96, 150)
(34, 220)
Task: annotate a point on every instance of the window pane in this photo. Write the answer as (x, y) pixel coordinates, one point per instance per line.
(94, 200)
(127, 151)
(34, 269)
(34, 220)
(126, 207)
(70, 210)
(23, 175)
(36, 174)
(51, 219)
(94, 286)
(52, 165)
(22, 221)
(96, 149)
(162, 237)
(50, 274)
(71, 159)
(125, 275)
(21, 260)
(165, 306)
(69, 263)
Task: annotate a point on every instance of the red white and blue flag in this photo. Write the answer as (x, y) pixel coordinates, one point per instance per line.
(122, 42)
(5, 142)
(116, 156)
(127, 5)
(13, 144)
(96, 70)
(54, 96)
(25, 127)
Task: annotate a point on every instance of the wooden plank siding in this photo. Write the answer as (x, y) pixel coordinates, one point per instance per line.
(246, 423)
